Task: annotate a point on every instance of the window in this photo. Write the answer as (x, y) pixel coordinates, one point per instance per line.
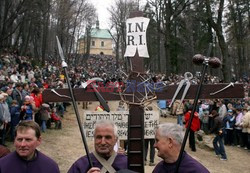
(93, 43)
(102, 43)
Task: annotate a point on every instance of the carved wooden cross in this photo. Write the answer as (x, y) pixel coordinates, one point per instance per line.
(136, 111)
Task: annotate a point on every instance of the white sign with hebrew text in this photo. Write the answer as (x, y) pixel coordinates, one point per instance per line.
(120, 118)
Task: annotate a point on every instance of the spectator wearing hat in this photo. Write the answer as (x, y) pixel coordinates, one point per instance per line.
(228, 123)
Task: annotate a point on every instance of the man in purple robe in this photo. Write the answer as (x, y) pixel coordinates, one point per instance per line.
(27, 158)
(104, 158)
(168, 140)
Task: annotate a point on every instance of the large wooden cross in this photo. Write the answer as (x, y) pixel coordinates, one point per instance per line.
(136, 111)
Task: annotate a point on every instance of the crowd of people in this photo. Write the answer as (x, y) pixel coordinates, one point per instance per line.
(23, 83)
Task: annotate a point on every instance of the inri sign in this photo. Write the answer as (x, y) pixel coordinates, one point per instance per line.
(136, 36)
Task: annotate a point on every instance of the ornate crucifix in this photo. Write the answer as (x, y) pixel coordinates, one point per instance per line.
(138, 100)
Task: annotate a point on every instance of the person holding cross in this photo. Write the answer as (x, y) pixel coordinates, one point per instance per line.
(104, 158)
(168, 141)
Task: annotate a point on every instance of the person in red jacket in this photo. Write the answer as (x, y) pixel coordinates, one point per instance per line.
(56, 119)
(195, 126)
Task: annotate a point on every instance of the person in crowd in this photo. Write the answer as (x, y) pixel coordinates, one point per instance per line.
(45, 114)
(195, 126)
(27, 109)
(222, 109)
(152, 151)
(25, 90)
(204, 115)
(9, 97)
(5, 117)
(14, 77)
(168, 141)
(15, 117)
(55, 118)
(238, 127)
(246, 124)
(17, 94)
(104, 158)
(178, 109)
(26, 158)
(162, 104)
(228, 123)
(4, 151)
(217, 129)
(121, 106)
(37, 96)
(244, 129)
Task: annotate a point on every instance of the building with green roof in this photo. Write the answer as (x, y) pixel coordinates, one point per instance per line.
(100, 42)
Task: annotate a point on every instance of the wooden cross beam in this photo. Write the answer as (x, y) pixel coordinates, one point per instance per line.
(112, 94)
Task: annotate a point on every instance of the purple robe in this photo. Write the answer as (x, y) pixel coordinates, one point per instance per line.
(188, 165)
(82, 164)
(13, 163)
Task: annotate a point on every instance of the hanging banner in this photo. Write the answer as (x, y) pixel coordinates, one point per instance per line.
(120, 118)
(136, 36)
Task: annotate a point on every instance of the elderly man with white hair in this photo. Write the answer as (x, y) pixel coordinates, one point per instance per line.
(168, 141)
(104, 158)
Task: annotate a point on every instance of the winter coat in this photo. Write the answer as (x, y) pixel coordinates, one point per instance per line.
(195, 126)
(229, 121)
(217, 126)
(178, 108)
(246, 122)
(54, 117)
(44, 114)
(15, 115)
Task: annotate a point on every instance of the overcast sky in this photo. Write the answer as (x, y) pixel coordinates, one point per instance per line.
(103, 14)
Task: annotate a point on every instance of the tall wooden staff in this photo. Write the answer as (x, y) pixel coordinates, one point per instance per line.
(64, 66)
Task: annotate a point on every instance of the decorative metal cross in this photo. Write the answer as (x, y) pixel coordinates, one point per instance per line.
(136, 107)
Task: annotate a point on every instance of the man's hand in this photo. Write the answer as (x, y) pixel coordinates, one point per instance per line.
(121, 150)
(94, 170)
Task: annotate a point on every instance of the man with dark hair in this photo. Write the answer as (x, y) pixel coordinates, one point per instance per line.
(104, 158)
(168, 141)
(27, 158)
(17, 94)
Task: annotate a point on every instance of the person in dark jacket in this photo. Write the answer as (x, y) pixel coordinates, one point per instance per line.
(168, 141)
(15, 117)
(217, 129)
(26, 158)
